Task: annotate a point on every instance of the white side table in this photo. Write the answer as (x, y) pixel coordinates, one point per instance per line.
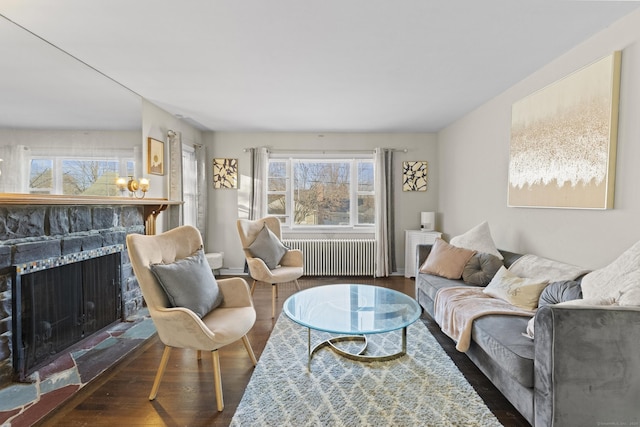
(412, 239)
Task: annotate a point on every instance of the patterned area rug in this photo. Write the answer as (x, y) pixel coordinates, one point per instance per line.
(422, 388)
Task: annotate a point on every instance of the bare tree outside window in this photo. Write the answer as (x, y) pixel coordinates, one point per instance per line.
(77, 176)
(321, 193)
(90, 177)
(41, 176)
(306, 192)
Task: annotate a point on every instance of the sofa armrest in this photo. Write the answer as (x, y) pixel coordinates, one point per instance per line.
(422, 252)
(587, 365)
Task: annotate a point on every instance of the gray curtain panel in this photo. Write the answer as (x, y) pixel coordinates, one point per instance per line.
(385, 219)
(259, 168)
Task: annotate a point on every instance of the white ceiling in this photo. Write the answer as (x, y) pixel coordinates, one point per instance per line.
(289, 65)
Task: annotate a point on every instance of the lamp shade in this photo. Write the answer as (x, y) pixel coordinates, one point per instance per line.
(427, 221)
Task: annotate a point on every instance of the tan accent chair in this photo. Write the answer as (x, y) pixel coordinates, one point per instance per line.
(180, 327)
(291, 265)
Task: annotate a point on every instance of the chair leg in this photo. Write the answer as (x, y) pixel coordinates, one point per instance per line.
(247, 345)
(253, 286)
(160, 373)
(297, 284)
(217, 379)
(199, 355)
(274, 293)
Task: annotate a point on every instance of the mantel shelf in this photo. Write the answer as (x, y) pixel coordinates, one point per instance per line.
(152, 206)
(49, 199)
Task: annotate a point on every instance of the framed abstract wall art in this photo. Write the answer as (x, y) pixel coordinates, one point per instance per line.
(414, 176)
(563, 141)
(225, 173)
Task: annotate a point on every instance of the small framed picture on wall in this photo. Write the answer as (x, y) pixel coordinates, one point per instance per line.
(225, 173)
(155, 158)
(414, 176)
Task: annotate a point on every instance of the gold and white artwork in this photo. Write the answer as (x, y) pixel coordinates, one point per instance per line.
(563, 141)
(414, 176)
(225, 173)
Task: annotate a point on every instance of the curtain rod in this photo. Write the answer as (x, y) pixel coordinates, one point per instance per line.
(246, 150)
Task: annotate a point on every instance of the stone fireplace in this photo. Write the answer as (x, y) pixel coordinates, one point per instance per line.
(43, 237)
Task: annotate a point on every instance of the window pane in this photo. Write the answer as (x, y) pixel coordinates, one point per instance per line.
(41, 176)
(366, 210)
(276, 204)
(277, 176)
(365, 176)
(89, 177)
(131, 168)
(321, 193)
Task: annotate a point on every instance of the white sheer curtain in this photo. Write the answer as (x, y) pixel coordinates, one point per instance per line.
(259, 168)
(385, 234)
(174, 213)
(201, 189)
(15, 169)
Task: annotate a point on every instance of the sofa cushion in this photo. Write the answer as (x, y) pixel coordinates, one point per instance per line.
(500, 336)
(537, 267)
(619, 280)
(478, 239)
(481, 268)
(519, 291)
(557, 292)
(446, 260)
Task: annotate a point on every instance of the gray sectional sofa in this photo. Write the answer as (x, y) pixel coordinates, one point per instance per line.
(581, 369)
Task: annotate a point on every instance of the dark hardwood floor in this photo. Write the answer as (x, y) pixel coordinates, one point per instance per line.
(186, 395)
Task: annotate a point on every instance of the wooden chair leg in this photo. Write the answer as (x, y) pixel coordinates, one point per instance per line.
(297, 284)
(160, 373)
(247, 346)
(217, 379)
(199, 355)
(253, 286)
(274, 293)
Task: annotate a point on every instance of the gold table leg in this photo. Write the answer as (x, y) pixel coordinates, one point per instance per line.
(359, 356)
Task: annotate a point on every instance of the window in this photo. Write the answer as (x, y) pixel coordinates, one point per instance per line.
(189, 186)
(310, 192)
(77, 176)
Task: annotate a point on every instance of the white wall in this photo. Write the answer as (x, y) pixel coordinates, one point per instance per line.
(226, 206)
(155, 124)
(473, 166)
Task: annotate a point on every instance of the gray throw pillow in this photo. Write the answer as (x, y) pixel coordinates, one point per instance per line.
(481, 268)
(189, 283)
(556, 292)
(268, 248)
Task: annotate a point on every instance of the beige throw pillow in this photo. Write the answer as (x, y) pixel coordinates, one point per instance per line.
(446, 260)
(518, 291)
(477, 239)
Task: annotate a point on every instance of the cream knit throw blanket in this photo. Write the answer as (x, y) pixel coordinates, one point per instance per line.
(456, 308)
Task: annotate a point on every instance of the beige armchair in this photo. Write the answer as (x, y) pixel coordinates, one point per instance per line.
(180, 327)
(290, 267)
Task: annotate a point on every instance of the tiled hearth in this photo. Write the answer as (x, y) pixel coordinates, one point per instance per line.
(24, 404)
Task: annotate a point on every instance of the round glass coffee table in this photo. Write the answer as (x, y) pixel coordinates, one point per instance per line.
(353, 312)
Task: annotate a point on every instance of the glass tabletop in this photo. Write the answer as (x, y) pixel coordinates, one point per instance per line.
(352, 309)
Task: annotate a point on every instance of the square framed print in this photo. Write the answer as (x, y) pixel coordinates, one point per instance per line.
(225, 173)
(155, 157)
(414, 176)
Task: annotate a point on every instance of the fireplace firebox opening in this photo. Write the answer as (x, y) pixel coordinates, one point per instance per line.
(58, 304)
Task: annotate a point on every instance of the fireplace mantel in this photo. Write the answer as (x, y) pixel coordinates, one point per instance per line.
(152, 206)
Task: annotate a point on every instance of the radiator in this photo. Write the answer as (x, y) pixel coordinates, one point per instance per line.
(336, 257)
